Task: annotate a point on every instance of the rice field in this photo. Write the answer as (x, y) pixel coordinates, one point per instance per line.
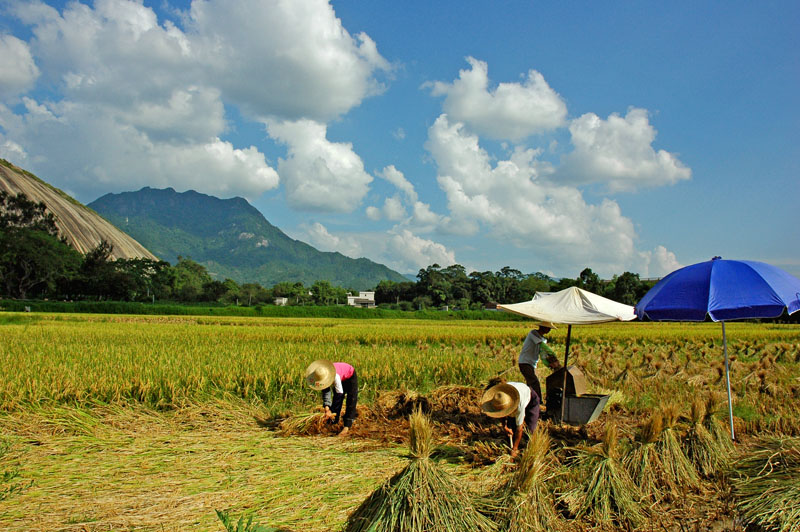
(153, 422)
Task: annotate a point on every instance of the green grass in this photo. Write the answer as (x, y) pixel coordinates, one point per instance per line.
(161, 308)
(747, 412)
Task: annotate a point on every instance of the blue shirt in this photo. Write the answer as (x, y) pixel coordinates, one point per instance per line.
(531, 348)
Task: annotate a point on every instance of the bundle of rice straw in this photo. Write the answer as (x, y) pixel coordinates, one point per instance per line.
(609, 494)
(708, 455)
(421, 497)
(644, 462)
(525, 501)
(679, 472)
(487, 452)
(302, 424)
(766, 483)
(717, 429)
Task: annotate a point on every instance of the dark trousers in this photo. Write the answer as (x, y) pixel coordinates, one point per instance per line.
(350, 388)
(531, 415)
(534, 405)
(531, 379)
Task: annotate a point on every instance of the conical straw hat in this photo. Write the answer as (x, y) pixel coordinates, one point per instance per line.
(500, 400)
(320, 374)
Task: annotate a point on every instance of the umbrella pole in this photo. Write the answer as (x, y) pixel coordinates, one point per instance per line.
(564, 383)
(728, 379)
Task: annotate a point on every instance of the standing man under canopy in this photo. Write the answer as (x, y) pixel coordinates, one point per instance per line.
(535, 348)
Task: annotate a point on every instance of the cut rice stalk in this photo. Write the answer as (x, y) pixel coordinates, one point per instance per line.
(766, 483)
(644, 462)
(610, 495)
(421, 497)
(721, 433)
(679, 472)
(526, 500)
(301, 424)
(706, 453)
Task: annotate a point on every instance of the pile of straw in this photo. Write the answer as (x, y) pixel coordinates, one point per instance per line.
(421, 497)
(679, 473)
(525, 502)
(486, 452)
(766, 483)
(644, 462)
(609, 495)
(721, 432)
(306, 423)
(707, 453)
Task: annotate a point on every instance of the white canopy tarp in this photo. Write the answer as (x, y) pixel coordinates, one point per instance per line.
(573, 306)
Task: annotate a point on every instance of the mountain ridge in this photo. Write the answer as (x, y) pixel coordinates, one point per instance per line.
(231, 238)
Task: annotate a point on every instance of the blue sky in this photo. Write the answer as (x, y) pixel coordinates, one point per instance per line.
(546, 136)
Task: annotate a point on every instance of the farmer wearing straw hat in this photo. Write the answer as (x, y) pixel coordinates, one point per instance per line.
(335, 380)
(514, 402)
(535, 348)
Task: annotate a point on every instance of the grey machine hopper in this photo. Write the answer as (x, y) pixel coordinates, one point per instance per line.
(581, 407)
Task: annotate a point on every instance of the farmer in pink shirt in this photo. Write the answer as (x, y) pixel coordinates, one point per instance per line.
(335, 380)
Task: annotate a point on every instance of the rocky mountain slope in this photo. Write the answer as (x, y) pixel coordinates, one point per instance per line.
(82, 227)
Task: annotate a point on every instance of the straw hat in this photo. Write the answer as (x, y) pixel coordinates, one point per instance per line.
(547, 324)
(500, 400)
(320, 374)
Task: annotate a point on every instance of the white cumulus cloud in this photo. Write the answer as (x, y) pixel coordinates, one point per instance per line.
(512, 200)
(410, 252)
(510, 111)
(619, 153)
(318, 236)
(190, 114)
(658, 263)
(396, 177)
(18, 70)
(399, 248)
(423, 216)
(127, 88)
(126, 158)
(373, 213)
(393, 209)
(319, 174)
(289, 59)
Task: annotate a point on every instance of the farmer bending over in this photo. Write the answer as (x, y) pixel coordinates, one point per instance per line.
(535, 348)
(514, 402)
(336, 380)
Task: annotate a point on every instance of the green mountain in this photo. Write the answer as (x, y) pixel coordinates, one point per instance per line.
(232, 239)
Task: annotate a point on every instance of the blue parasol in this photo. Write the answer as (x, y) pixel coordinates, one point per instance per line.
(724, 290)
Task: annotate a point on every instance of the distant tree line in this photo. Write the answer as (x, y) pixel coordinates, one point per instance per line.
(38, 263)
(452, 287)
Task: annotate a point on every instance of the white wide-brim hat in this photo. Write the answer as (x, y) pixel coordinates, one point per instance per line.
(320, 374)
(500, 400)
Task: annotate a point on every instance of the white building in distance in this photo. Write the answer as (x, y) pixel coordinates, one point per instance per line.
(363, 300)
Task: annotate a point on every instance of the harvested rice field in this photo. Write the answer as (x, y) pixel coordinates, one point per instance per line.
(156, 423)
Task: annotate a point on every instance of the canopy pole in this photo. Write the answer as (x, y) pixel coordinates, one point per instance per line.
(564, 383)
(728, 379)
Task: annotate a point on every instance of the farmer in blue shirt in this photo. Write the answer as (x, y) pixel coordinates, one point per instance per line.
(534, 348)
